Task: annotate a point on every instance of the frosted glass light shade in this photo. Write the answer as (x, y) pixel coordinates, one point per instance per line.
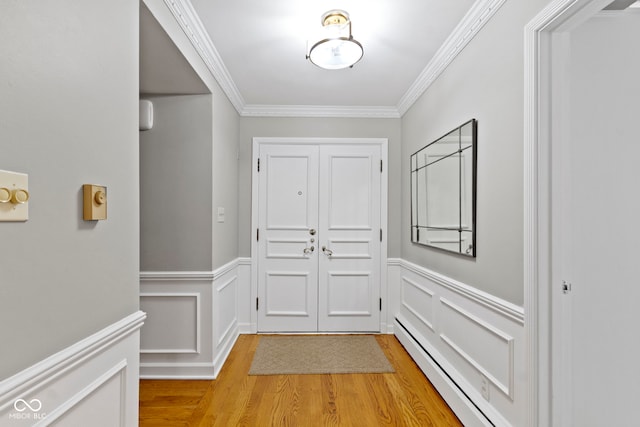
(335, 47)
(335, 54)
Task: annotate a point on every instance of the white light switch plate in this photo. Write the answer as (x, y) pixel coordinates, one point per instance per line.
(12, 181)
(220, 214)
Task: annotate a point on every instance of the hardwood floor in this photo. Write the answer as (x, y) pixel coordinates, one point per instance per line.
(403, 398)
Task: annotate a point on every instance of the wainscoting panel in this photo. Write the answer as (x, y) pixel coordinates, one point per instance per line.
(173, 322)
(93, 382)
(192, 322)
(471, 340)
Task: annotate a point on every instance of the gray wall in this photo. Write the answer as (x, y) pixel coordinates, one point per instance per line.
(226, 127)
(222, 157)
(68, 108)
(318, 127)
(484, 82)
(176, 185)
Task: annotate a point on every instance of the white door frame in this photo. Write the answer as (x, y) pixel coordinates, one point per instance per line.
(545, 36)
(385, 324)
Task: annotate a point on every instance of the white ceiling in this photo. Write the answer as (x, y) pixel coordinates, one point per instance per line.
(256, 50)
(262, 45)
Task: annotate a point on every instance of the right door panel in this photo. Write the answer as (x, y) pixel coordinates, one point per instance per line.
(349, 238)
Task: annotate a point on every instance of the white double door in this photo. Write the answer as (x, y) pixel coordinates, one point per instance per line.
(319, 238)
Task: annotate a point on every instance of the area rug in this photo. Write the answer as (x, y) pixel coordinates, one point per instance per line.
(318, 354)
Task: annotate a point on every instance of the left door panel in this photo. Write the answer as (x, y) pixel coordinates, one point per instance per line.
(288, 269)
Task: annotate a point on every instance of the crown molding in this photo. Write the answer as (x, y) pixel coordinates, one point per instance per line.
(465, 31)
(473, 21)
(194, 29)
(326, 111)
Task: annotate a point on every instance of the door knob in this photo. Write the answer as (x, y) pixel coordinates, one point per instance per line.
(327, 251)
(312, 231)
(309, 250)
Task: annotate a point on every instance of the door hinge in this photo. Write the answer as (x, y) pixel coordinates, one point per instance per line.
(380, 166)
(257, 303)
(257, 234)
(381, 234)
(380, 304)
(566, 287)
(258, 164)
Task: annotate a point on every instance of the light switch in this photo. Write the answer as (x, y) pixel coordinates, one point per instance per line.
(220, 214)
(14, 196)
(95, 202)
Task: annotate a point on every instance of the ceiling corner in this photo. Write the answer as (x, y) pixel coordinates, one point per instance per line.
(466, 30)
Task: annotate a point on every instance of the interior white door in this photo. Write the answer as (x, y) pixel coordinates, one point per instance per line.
(349, 240)
(598, 206)
(319, 244)
(288, 218)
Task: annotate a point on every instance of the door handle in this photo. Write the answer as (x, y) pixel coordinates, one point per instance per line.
(327, 251)
(312, 231)
(309, 250)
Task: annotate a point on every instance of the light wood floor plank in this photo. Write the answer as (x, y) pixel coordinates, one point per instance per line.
(403, 398)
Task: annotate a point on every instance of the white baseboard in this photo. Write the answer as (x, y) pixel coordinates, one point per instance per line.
(94, 381)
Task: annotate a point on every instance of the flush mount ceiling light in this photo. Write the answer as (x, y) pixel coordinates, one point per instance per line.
(336, 47)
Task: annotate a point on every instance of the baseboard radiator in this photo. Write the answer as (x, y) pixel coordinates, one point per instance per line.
(468, 343)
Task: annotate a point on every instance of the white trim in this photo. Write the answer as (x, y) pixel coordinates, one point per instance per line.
(479, 14)
(485, 299)
(324, 111)
(395, 262)
(224, 269)
(194, 29)
(192, 275)
(314, 141)
(244, 261)
(48, 369)
(155, 276)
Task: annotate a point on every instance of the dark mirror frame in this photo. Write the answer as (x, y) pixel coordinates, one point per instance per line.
(447, 173)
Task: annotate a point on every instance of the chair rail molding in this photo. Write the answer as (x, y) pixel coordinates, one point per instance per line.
(97, 375)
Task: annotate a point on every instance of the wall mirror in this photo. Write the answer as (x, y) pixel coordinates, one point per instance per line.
(443, 192)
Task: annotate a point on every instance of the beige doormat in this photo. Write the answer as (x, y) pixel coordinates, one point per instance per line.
(318, 354)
